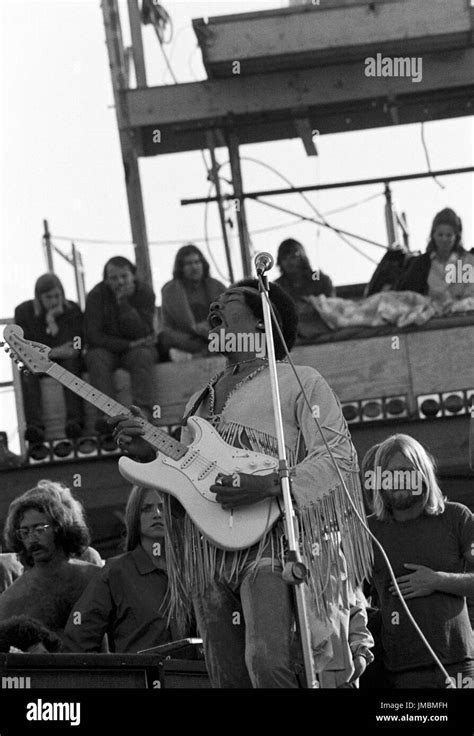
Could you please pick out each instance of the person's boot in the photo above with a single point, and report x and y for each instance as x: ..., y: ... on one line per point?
x: 34, y: 434
x: 102, y: 427
x: 73, y: 429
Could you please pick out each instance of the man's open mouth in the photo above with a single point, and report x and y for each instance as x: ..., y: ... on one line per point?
x: 215, y: 320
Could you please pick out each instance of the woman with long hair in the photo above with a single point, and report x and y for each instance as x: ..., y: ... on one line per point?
x: 445, y: 272
x: 127, y: 600
x: 300, y: 280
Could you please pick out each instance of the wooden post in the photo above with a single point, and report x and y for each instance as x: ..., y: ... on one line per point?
x: 233, y: 146
x: 215, y: 175
x: 78, y: 276
x: 113, y: 37
x: 137, y: 43
x: 48, y: 249
x: 389, y: 218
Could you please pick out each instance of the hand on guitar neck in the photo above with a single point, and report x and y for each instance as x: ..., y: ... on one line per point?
x: 128, y: 435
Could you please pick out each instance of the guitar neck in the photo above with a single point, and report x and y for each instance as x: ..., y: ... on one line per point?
x: 157, y: 438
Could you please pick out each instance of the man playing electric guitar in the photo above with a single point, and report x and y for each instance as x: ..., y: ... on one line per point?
x: 243, y: 607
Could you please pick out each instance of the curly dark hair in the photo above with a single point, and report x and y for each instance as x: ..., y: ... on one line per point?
x: 71, y: 532
x: 23, y: 632
x: 184, y: 252
x: 283, y: 305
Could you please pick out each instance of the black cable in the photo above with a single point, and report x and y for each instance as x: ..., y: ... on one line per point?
x: 308, y: 201
x: 354, y: 204
x: 259, y: 231
x: 422, y: 129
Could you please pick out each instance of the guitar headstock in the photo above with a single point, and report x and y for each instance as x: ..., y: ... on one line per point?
x: 33, y: 355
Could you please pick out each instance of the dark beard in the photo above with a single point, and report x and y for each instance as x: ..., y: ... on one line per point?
x: 401, y: 501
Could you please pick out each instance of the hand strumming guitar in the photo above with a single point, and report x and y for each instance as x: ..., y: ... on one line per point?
x: 243, y: 489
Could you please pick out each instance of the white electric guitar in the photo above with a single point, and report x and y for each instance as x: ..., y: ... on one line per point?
x: 183, y: 471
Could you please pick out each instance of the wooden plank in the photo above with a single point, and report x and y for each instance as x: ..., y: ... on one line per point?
x: 424, y: 362
x: 260, y: 41
x: 137, y: 42
x: 441, y: 360
x: 360, y: 369
x: 287, y: 94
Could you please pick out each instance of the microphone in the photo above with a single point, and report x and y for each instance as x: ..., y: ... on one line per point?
x: 263, y: 262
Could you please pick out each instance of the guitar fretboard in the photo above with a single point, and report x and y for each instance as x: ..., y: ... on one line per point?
x: 156, y: 437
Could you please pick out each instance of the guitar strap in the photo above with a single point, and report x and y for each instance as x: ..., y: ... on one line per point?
x: 202, y: 397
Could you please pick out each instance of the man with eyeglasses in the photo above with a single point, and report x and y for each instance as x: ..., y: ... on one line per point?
x: 46, y: 536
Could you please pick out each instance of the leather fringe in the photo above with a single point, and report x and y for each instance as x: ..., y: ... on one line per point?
x: 335, y: 546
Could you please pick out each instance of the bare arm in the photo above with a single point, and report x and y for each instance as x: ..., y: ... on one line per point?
x: 423, y: 581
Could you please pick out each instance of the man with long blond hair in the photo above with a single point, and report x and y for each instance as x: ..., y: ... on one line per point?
x: 429, y: 542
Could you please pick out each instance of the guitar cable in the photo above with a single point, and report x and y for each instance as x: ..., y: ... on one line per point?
x: 448, y: 679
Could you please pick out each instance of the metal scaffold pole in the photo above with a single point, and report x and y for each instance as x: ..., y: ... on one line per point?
x: 48, y: 248
x: 233, y: 145
x: 217, y: 184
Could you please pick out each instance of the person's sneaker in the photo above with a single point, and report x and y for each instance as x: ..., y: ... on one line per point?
x: 73, y: 429
x: 34, y: 434
x: 102, y: 427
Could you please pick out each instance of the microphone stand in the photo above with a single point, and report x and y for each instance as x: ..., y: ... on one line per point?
x: 295, y: 571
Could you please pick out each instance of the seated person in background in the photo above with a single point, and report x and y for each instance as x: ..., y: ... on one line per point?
x: 119, y: 331
x: 126, y: 600
x: 298, y: 279
x: 26, y: 634
x: 10, y: 569
x: 389, y: 271
x: 185, y: 303
x: 438, y: 273
x: 45, y: 534
x: 51, y: 319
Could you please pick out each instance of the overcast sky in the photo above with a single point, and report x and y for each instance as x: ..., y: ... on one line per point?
x: 61, y: 161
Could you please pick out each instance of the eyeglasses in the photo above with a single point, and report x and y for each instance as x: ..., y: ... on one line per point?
x: 39, y: 530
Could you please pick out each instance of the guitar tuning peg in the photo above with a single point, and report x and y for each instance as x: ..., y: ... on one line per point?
x: 1, y: 343
x: 26, y: 372
x: 6, y: 348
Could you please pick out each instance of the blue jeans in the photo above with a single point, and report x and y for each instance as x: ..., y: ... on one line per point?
x: 246, y: 629
x: 139, y: 362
